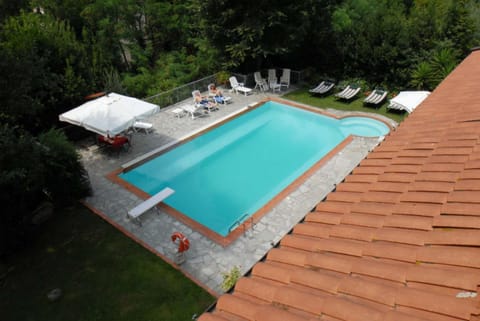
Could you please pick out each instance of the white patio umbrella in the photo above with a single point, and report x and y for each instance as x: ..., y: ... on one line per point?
x: 109, y: 115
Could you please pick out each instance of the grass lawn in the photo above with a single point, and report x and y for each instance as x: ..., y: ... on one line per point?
x: 104, y: 275
x: 303, y: 96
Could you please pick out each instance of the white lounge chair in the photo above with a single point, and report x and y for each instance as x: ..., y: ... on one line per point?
x: 285, y: 78
x: 199, y: 100
x: 260, y: 83
x: 193, y: 110
x: 376, y: 97
x: 408, y: 100
x: 141, y: 125
x: 239, y: 87
x: 322, y: 88
x: 143, y: 207
x: 349, y: 92
x: 213, y: 93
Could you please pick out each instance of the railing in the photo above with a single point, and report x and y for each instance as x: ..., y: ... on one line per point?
x: 237, y: 222
x: 175, y: 95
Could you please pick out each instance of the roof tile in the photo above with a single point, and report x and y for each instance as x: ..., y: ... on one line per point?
x: 464, y: 197
x: 233, y: 304
x: 413, y: 237
x: 348, y: 311
x: 330, y: 262
x: 270, y: 313
x: 388, y: 187
x: 371, y: 208
x: 368, y: 290
x: 424, y: 197
x: 360, y: 219
x: 423, y: 186
x: 449, y: 159
x: 352, y: 232
x: 457, y: 221
x: 409, y: 221
x: 313, y: 229
x: 324, y: 217
x: 380, y: 197
x: 211, y: 317
x: 398, y: 252
x: 317, y: 280
x: 398, y: 316
x: 397, y: 177
x: 432, y: 302
x: 300, y: 242
x: 409, y: 160
x: 460, y: 209
x: 352, y: 187
x: 257, y: 288
x: 470, y: 174
x: 334, y: 207
x: 418, y: 209
x: 453, y: 151
x: 409, y: 169
x: 443, y: 167
x: 437, y: 177
x: 299, y: 300
x: 272, y: 272
x: 425, y: 315
x: 383, y: 270
x: 287, y: 256
x: 468, y: 185
x: 344, y: 197
x: 468, y: 257
x: 463, y: 237
x: 437, y: 276
x: 364, y: 178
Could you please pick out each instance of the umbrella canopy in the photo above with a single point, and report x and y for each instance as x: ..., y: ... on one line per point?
x: 109, y: 115
x: 408, y: 100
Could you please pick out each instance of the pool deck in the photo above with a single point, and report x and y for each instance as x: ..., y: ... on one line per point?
x: 207, y: 261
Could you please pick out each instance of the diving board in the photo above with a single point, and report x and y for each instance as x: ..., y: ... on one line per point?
x: 143, y: 207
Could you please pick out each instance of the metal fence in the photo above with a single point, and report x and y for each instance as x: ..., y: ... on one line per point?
x: 175, y: 95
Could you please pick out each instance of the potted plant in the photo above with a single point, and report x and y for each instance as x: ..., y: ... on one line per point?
x: 221, y: 78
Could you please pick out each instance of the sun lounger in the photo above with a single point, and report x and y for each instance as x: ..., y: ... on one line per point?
x: 143, y: 207
x: 323, y: 88
x: 239, y: 87
x: 376, y: 97
x: 408, y: 100
x: 349, y: 92
x: 141, y: 125
x: 193, y: 110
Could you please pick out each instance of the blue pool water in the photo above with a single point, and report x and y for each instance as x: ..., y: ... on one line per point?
x: 235, y: 169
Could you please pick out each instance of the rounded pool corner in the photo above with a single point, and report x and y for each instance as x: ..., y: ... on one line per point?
x: 364, y: 126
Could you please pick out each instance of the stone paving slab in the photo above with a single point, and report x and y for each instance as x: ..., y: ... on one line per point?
x: 206, y: 261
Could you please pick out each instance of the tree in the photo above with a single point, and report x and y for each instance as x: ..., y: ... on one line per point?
x: 43, y: 71
x: 255, y: 31
x: 33, y: 171
x: 372, y: 40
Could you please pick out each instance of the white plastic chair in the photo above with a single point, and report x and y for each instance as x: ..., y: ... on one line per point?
x: 285, y: 78
x: 239, y: 87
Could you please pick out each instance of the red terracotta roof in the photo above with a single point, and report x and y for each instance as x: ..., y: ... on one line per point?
x: 399, y: 239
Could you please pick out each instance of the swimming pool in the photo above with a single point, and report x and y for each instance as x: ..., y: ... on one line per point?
x: 227, y: 174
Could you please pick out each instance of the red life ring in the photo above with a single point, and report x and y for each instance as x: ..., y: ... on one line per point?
x: 183, y: 242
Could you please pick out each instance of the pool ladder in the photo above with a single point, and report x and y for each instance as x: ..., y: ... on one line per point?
x: 239, y: 221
